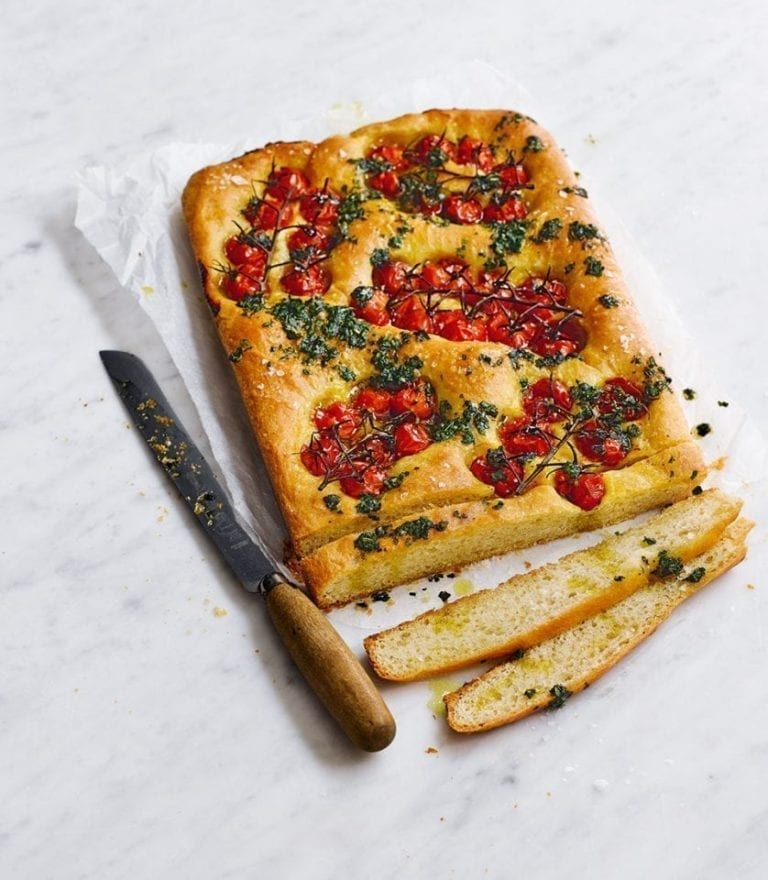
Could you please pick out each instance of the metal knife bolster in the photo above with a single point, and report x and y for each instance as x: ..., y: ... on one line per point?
x: 175, y: 450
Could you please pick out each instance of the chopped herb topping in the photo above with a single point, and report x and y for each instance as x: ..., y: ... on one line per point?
x: 529, y: 692
x: 411, y: 530
x: 368, y: 504
x: 533, y: 144
x: 696, y: 575
x: 560, y: 694
x: 444, y: 595
x: 608, y: 301
x: 582, y: 231
x: 331, y: 501
x: 667, y: 566
x: 550, y: 229
x: 593, y: 267
x: 689, y: 393
x: 703, y: 429
x: 243, y: 346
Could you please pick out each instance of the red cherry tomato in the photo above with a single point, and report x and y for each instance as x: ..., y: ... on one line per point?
x: 262, y: 214
x: 321, y: 455
x: 306, y: 280
x: 391, y: 276
x: 462, y: 209
x: 391, y: 154
x: 559, y: 338
x: 455, y: 325
x: 524, y: 440
x: 547, y: 400
x: 411, y: 314
x: 410, y: 438
x: 433, y: 150
x: 320, y: 207
x: 622, y: 396
x: 344, y: 418
x: 375, y: 449
x: 310, y: 238
x: 286, y: 183
x: 586, y: 490
x: 238, y: 251
x: 598, y: 443
x: 387, y: 183
x: 374, y: 310
x: 493, y: 468
x: 504, y: 209
x: 368, y: 481
x: 512, y: 176
x: 473, y: 151
x: 433, y: 276
x: 241, y: 284
x: 375, y: 401
x: 418, y: 399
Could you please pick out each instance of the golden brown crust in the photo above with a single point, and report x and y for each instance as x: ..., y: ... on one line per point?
x: 282, y: 387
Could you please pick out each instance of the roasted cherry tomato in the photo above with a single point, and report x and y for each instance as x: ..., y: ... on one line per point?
x: 621, y: 396
x: 245, y: 281
x: 455, y: 325
x: 344, y: 418
x: 368, y: 481
x: 321, y: 455
x: 391, y: 155
x: 376, y: 401
x: 504, y: 209
x: 320, y: 207
x: 462, y: 209
x: 512, y: 176
x: 239, y: 251
x: 524, y: 440
x: 433, y: 150
x: 387, y: 183
x: 411, y: 314
x: 374, y: 308
x: 262, y: 214
x: 410, y: 438
x: 417, y: 399
x: 585, y: 489
x: 286, y: 183
x: 312, y: 239
x: 547, y: 400
x: 598, y: 442
x: 473, y: 151
x: 392, y: 276
x: 495, y: 469
x: 306, y: 280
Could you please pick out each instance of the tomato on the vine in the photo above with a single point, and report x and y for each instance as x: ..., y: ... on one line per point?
x: 387, y: 183
x: 344, y: 418
x: 619, y: 395
x: 411, y: 438
x: 286, y: 183
x: 374, y: 400
x: 306, y: 280
x: 495, y: 469
x: 418, y: 399
x: 585, y: 489
x: 548, y: 400
x: 462, y: 209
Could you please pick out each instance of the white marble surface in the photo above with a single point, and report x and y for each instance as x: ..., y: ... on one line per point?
x: 142, y: 735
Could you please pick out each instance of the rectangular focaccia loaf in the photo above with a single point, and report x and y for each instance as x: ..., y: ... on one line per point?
x: 434, y: 345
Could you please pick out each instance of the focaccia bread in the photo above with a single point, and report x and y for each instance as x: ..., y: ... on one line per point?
x: 434, y: 345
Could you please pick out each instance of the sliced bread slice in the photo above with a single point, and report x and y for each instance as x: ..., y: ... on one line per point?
x: 547, y: 674
x: 537, y: 605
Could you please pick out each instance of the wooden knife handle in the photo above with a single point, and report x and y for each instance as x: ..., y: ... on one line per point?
x: 329, y: 666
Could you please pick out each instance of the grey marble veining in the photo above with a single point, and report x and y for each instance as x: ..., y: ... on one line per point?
x: 142, y: 734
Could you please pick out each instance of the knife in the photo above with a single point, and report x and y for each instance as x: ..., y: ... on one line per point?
x: 323, y: 657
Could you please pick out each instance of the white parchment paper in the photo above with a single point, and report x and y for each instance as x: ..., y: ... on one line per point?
x: 132, y: 217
